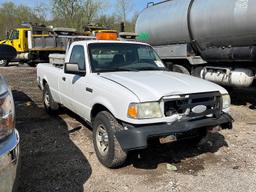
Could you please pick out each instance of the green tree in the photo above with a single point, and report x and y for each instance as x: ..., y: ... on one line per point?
x: 12, y: 16
x: 67, y: 11
x: 76, y: 13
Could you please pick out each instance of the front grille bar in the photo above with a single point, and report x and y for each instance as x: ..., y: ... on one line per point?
x: 211, y: 100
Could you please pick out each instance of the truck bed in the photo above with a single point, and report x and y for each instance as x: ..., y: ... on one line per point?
x: 48, y: 72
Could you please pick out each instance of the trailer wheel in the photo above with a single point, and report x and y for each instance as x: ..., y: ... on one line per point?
x: 180, y: 69
x: 4, y: 63
x: 107, y: 148
x: 196, y: 71
x: 50, y: 105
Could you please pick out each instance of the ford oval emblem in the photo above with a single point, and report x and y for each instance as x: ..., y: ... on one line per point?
x: 199, y: 109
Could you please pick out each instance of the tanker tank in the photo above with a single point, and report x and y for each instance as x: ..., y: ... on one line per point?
x: 208, y: 22
x: 205, y: 33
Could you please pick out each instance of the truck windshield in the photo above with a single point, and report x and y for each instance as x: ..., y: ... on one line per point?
x: 115, y: 57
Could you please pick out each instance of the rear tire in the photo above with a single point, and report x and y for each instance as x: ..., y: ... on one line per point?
x: 50, y: 105
x: 4, y: 63
x: 107, y: 148
x: 31, y: 64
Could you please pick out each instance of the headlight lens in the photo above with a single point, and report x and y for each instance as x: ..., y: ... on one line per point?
x: 226, y: 101
x: 148, y: 110
x: 6, y: 115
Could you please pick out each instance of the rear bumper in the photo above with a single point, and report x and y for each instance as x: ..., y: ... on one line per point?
x: 136, y: 137
x: 9, y: 155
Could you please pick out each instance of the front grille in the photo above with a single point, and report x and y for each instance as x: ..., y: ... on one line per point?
x: 190, y: 105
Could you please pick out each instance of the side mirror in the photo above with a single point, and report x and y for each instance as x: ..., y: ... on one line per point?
x: 73, y: 68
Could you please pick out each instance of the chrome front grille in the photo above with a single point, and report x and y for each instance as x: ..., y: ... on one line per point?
x: 194, y: 105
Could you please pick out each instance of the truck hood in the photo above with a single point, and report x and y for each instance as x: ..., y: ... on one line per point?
x: 153, y: 85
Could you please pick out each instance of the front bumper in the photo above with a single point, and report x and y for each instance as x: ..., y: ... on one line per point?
x: 136, y: 137
x: 9, y: 155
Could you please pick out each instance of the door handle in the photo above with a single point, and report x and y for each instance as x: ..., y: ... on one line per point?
x: 64, y: 78
x: 89, y: 89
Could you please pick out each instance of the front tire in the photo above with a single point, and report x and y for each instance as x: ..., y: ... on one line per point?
x: 4, y: 63
x: 50, y: 105
x: 107, y: 148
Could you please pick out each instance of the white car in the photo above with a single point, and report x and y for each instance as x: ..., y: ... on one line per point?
x: 124, y: 91
x: 9, y: 139
x: 9, y: 136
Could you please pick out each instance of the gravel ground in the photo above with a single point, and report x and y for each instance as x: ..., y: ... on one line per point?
x: 57, y: 153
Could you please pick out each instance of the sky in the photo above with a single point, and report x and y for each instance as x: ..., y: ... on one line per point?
x: 138, y: 5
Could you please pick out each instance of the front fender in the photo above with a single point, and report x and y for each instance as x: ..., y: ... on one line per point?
x: 104, y: 102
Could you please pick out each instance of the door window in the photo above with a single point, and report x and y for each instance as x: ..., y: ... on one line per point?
x: 14, y: 35
x: 78, y: 57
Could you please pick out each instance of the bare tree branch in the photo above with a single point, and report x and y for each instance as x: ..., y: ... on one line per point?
x: 123, y: 9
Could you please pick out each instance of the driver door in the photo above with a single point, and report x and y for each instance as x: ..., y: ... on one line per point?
x: 73, y: 85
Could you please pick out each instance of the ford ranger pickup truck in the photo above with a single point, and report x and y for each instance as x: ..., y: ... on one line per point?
x: 126, y: 94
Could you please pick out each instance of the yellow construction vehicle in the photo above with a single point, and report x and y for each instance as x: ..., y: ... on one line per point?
x: 18, y: 39
x: 34, y: 43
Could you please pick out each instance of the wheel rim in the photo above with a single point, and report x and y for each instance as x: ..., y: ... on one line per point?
x: 102, y: 140
x: 47, y: 99
x: 2, y: 62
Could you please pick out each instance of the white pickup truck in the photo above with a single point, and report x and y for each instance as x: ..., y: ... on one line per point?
x: 124, y: 91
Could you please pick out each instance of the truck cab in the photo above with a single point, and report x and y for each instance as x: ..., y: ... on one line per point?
x: 18, y: 39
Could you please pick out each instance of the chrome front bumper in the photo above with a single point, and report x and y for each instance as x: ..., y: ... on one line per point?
x: 9, y: 156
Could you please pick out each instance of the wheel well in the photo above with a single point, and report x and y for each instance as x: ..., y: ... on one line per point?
x: 183, y: 62
x: 44, y: 82
x: 96, y: 109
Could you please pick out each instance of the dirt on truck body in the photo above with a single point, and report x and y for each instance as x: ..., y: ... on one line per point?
x: 57, y: 152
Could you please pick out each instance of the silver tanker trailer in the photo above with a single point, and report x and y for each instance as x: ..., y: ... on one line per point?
x: 211, y: 39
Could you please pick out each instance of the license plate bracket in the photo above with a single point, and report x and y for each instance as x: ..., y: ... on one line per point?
x: 167, y: 139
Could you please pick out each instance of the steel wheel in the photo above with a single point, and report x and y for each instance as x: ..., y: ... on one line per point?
x: 49, y: 104
x: 102, y: 140
x: 107, y: 148
x: 47, y: 99
x: 3, y: 63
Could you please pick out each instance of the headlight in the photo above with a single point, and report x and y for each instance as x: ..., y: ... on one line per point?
x: 6, y: 115
x: 226, y: 101
x: 144, y: 110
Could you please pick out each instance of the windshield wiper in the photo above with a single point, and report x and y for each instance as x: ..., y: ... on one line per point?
x: 116, y: 70
x: 131, y: 69
x: 152, y: 69
x: 127, y: 69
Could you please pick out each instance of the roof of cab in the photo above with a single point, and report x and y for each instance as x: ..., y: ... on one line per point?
x: 87, y: 42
